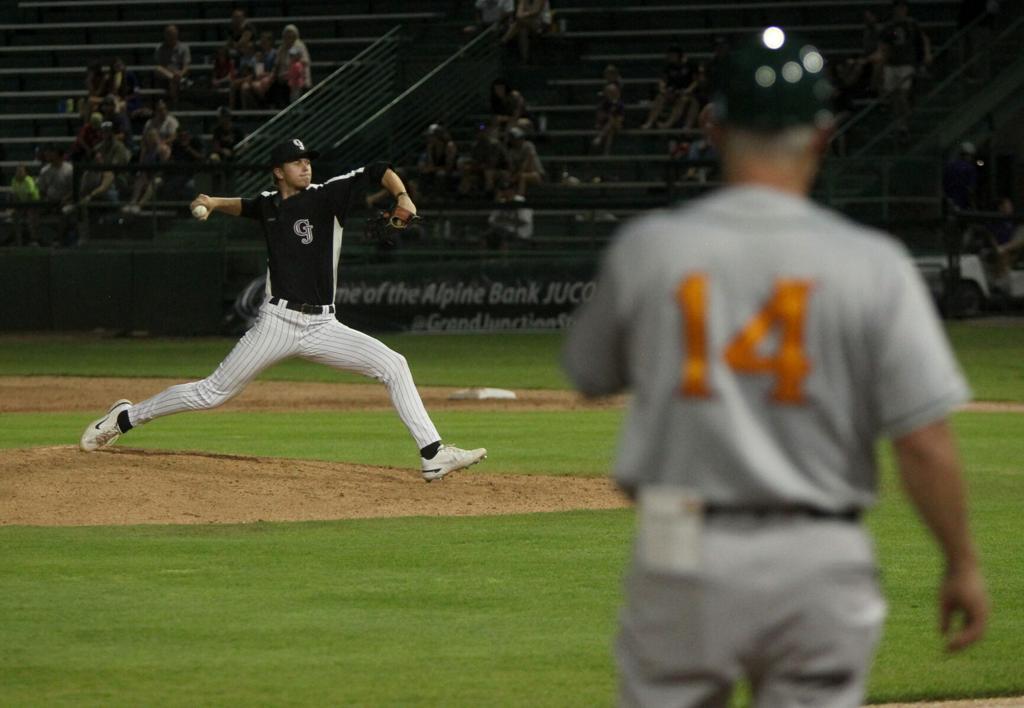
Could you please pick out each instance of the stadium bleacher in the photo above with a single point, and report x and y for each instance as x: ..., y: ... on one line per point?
x: 47, y: 45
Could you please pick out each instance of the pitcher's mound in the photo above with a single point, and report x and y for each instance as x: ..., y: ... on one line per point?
x: 61, y: 486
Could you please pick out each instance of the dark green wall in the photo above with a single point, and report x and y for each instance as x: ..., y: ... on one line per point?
x: 170, y: 292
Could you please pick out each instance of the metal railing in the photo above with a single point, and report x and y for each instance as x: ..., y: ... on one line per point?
x: 877, y: 188
x: 448, y: 93
x: 345, y: 99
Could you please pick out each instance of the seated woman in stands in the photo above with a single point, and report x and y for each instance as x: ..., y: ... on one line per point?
x: 125, y: 86
x: 223, y: 74
x: 97, y: 86
x: 525, y: 166
x: 280, y: 89
x: 508, y: 108
x: 611, y: 113
x: 153, y: 152
x: 532, y: 19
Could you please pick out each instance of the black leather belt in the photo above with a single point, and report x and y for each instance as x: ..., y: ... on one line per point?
x: 303, y: 307
x: 767, y: 512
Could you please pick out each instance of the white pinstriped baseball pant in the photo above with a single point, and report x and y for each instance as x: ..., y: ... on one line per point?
x: 280, y: 334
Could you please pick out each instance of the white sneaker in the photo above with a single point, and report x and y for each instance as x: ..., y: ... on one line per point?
x: 450, y: 458
x: 104, y: 431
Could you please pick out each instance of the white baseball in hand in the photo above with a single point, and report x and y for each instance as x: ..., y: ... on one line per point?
x: 200, y: 211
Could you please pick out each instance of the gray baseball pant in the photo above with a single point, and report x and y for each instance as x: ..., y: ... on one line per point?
x: 791, y: 604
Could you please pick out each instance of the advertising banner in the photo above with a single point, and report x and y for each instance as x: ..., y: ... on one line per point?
x: 459, y: 297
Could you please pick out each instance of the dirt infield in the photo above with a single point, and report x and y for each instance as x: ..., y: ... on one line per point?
x: 61, y: 486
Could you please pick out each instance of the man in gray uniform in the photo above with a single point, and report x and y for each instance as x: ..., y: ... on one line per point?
x: 768, y: 343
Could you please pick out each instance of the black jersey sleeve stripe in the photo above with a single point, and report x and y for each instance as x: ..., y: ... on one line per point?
x: 250, y: 209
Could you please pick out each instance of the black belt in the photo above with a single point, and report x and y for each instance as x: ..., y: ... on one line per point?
x: 303, y: 307
x: 766, y: 512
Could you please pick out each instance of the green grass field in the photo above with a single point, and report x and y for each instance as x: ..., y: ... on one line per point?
x: 516, y: 610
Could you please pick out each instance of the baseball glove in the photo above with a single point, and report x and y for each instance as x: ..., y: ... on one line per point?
x: 385, y: 226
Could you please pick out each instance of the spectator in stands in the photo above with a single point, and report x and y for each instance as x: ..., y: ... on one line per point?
x: 508, y: 107
x: 611, y: 113
x: 24, y: 192
x: 152, y: 152
x: 612, y: 75
x: 97, y: 186
x: 88, y: 137
x: 114, y: 152
x: 486, y: 160
x: 960, y: 178
x: 702, y: 148
x: 491, y: 12
x: 165, y: 124
x: 297, y: 75
x: 1007, y: 238
x: 525, y: 166
x: 532, y: 19
x: 691, y: 101
x: 108, y: 109
x: 438, y: 163
x: 187, y: 149
x: 125, y: 86
x: 676, y: 78
x: 55, y: 189
x: 253, y: 91
x: 719, y: 57
x: 980, y: 16
x: 224, y: 138
x: 847, y: 77
x: 280, y: 91
x: 253, y: 86
x: 904, y: 46
x: 870, y: 46
x: 97, y: 85
x: 508, y: 225
x: 239, y: 31
x: 222, y: 75
x: 245, y: 74
x: 172, y: 64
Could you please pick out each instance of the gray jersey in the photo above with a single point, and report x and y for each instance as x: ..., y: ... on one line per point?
x: 768, y: 343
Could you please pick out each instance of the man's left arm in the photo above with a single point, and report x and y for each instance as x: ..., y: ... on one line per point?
x: 396, y: 188
x: 594, y: 354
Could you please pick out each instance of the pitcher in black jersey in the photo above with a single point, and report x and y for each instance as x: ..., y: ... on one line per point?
x: 303, y: 224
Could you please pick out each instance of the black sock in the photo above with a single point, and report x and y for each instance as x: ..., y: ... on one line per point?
x: 123, y: 424
x: 430, y: 450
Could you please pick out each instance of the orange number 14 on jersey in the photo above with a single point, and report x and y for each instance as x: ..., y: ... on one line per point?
x: 785, y: 310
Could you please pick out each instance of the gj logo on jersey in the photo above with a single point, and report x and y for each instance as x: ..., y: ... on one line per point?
x: 304, y: 229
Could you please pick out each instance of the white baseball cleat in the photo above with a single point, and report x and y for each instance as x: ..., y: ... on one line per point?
x: 104, y: 431
x: 448, y: 459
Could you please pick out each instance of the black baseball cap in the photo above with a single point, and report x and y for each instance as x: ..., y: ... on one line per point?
x: 289, y: 150
x: 772, y: 83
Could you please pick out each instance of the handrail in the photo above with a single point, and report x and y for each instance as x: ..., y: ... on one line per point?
x: 349, y: 93
x: 321, y: 87
x: 880, y: 99
x: 447, y: 97
x: 945, y: 83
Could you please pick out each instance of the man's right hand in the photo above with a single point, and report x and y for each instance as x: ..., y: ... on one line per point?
x: 203, y: 200
x: 963, y: 594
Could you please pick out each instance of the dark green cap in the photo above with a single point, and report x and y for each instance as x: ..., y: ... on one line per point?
x: 772, y: 83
